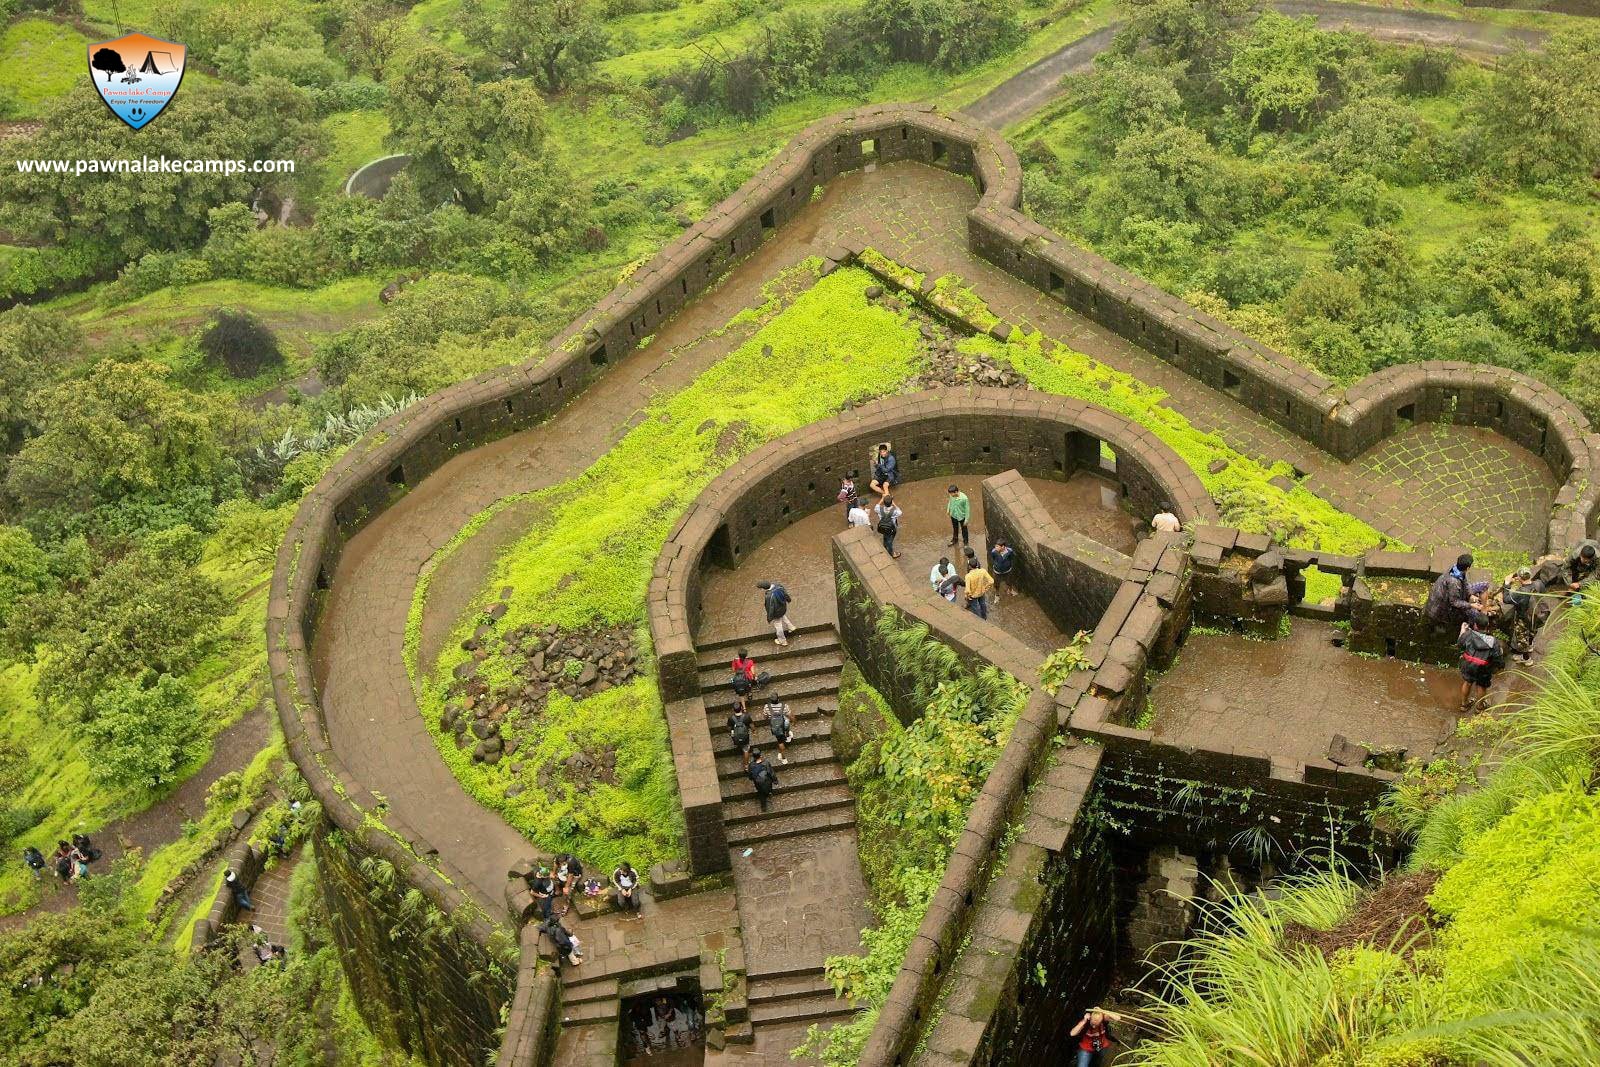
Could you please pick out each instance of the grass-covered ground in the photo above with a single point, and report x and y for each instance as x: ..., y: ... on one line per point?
x: 42, y: 60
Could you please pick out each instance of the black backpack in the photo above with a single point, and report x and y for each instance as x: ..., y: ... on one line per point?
x: 742, y: 684
x: 739, y: 729
x: 779, y: 721
x: 887, y: 524
x: 761, y: 774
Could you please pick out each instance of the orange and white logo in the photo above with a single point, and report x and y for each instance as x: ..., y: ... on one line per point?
x: 137, y: 75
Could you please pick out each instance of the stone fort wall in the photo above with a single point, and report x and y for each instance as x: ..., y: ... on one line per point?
x: 406, y: 448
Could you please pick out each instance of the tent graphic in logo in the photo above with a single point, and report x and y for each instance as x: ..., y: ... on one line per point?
x: 137, y: 75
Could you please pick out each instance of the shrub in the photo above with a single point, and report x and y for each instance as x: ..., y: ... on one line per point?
x: 241, y: 343
x: 946, y: 33
x: 141, y: 732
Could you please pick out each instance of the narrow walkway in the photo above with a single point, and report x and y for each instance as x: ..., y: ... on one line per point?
x: 271, y: 898
x: 1028, y: 91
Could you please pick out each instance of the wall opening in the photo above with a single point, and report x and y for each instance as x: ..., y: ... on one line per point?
x: 939, y: 151
x: 869, y: 148
x: 1230, y: 382
x: 719, y: 549
x: 1058, y: 287
x: 458, y: 423
x: 396, y: 475
x: 667, y: 1025
x: 598, y: 356
x: 1108, y: 458
x: 769, y: 219
x: 1408, y: 412
x: 511, y: 409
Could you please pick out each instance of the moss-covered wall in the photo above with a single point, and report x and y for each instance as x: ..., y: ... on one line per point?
x: 422, y: 986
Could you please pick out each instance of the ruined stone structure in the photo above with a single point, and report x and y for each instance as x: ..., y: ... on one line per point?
x: 1018, y: 910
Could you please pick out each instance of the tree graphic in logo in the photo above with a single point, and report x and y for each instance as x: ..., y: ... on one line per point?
x: 109, y: 61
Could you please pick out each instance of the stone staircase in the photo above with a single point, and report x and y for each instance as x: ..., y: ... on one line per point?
x: 801, y: 995
x: 813, y: 795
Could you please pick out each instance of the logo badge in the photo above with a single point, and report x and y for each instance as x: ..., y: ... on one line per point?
x: 137, y: 75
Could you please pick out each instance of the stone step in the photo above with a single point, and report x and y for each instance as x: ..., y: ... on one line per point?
x: 608, y: 989
x: 818, y: 708
x: 741, y: 1034
x: 788, y: 799
x: 807, y: 982
x: 806, y: 749
x: 589, y: 1012
x: 819, y: 684
x: 719, y: 678
x: 800, y: 1009
x: 795, y: 777
x: 771, y: 657
x: 814, y: 633
x: 777, y: 825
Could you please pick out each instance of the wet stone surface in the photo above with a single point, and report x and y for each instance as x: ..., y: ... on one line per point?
x: 801, y: 556
x: 1288, y: 698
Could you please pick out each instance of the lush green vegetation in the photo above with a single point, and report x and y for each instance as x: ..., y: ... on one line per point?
x: 1356, y: 205
x: 1495, y: 962
x: 914, y: 787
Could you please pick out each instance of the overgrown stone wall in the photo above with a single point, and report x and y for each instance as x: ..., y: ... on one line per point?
x: 949, y: 432
x: 427, y: 985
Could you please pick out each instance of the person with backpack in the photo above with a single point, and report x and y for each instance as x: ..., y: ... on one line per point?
x: 885, y: 472
x: 567, y: 947
x: 1002, y: 561
x: 888, y: 515
x: 857, y: 515
x: 776, y: 601
x: 1583, y: 565
x: 960, y: 510
x: 847, y: 494
x: 762, y: 776
x: 62, y: 862
x: 782, y: 729
x: 745, y: 676
x: 85, y: 847
x: 944, y: 579
x: 35, y: 861
x: 739, y: 731
x: 1482, y: 653
x: 625, y: 880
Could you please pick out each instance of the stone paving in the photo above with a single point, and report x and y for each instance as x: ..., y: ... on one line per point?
x: 913, y: 214
x: 1287, y: 698
x: 270, y: 895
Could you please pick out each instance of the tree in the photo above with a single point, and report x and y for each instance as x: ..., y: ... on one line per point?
x: 473, y: 143
x: 141, y: 732
x: 241, y: 343
x: 551, y: 40
x: 34, y: 345
x: 108, y: 60
x: 149, y: 611
x: 946, y: 33
x: 1540, y: 114
x: 124, y: 427
x: 151, y: 211
x: 24, y: 568
x: 370, y: 32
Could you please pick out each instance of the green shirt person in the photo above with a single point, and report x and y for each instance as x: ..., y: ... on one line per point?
x: 960, y: 509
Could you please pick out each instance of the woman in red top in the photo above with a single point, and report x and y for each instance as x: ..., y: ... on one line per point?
x: 1094, y: 1037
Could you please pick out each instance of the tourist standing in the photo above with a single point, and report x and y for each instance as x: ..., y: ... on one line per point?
x: 1482, y: 653
x: 888, y: 514
x: 848, y: 494
x: 1002, y: 561
x: 944, y: 579
x: 568, y: 871
x: 978, y: 584
x: 1450, y: 600
x: 776, y: 602
x: 241, y: 895
x: 543, y: 888
x: 35, y: 861
x: 960, y: 510
x: 1094, y: 1037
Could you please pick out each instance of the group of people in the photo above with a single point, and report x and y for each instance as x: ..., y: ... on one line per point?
x: 747, y: 678
x: 977, y: 579
x: 558, y: 887
x: 671, y: 1021
x: 70, y: 861
x: 1479, y: 613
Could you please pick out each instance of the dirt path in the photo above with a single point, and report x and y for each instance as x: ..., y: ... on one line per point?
x: 1025, y: 93
x: 162, y: 822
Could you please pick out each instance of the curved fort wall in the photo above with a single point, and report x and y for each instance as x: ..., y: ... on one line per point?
x: 409, y: 446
